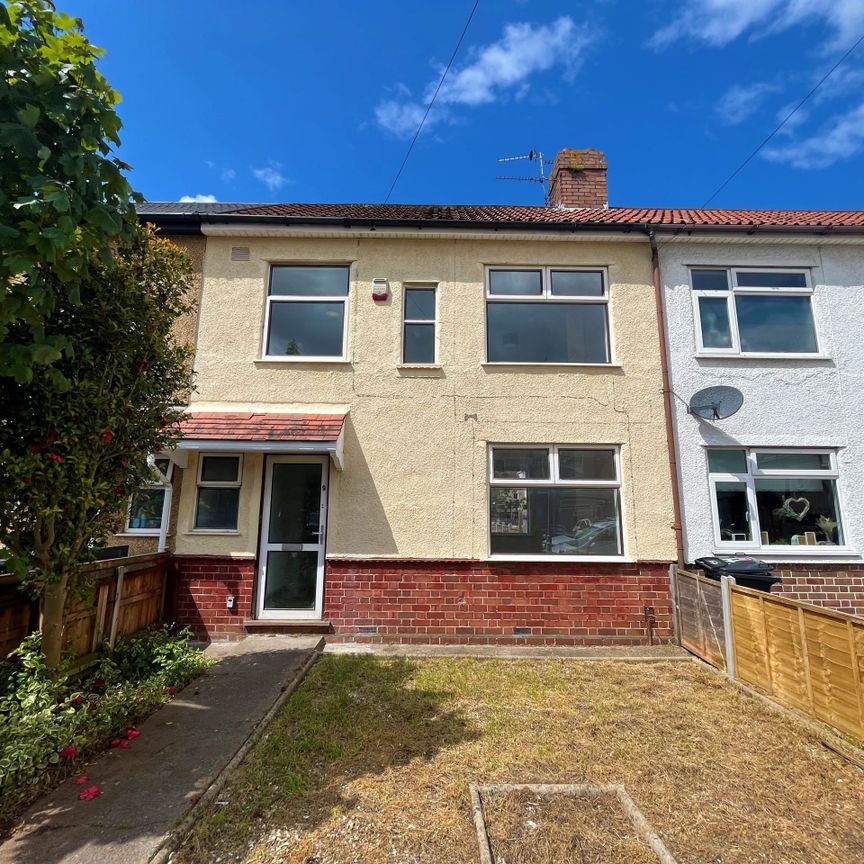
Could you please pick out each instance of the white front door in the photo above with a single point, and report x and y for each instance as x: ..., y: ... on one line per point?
x: 293, y: 523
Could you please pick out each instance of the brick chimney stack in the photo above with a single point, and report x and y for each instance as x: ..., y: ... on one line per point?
x: 578, y: 179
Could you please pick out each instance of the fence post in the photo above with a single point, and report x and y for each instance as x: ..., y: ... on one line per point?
x: 673, y: 588
x: 118, y: 596
x: 726, y: 583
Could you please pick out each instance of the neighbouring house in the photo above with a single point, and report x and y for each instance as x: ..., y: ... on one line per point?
x: 773, y: 304
x: 426, y: 423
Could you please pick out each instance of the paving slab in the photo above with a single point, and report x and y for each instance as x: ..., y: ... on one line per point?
x: 182, y: 748
x: 631, y: 653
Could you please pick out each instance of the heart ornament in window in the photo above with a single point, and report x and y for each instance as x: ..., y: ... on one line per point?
x: 796, y: 508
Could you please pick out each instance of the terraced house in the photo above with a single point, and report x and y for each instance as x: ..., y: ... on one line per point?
x: 468, y: 423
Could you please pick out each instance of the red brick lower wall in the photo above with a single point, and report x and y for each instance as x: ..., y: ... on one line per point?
x: 835, y: 586
x: 485, y: 602
x: 200, y: 587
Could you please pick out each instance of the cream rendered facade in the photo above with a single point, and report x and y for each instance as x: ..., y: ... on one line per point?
x: 415, y: 478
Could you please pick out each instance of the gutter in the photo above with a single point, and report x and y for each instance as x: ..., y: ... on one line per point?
x: 667, y: 398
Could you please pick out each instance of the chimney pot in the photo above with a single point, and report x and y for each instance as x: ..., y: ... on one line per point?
x: 578, y: 179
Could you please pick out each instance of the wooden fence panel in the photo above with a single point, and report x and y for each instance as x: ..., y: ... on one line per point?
x: 140, y: 599
x: 700, y: 616
x: 16, y: 614
x: 806, y: 657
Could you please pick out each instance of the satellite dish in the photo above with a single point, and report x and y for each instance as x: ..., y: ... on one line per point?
x: 716, y: 403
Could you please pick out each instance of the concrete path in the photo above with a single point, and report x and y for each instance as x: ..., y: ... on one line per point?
x: 183, y: 747
x: 632, y: 653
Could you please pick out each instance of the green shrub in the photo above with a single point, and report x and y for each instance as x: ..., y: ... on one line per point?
x: 44, y: 714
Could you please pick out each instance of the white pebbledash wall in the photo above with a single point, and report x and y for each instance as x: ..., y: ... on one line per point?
x: 787, y: 402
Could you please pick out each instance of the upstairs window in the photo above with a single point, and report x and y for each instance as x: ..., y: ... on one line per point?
x: 147, y: 504
x: 554, y: 501
x: 418, y: 329
x: 218, y: 495
x: 741, y: 311
x: 546, y: 315
x: 306, y: 313
x: 771, y: 499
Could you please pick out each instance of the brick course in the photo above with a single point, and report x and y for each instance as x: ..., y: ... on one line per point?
x: 200, y: 585
x: 834, y: 586
x: 482, y: 602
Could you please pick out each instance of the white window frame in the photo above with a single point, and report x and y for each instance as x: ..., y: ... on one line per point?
x: 749, y: 479
x: 554, y: 480
x: 222, y: 484
x: 546, y: 296
x: 427, y: 286
x: 162, y: 480
x: 270, y: 299
x: 729, y: 295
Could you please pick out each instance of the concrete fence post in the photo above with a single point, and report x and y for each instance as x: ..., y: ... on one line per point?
x: 726, y: 583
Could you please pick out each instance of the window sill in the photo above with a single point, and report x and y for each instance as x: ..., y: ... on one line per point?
x: 705, y: 355
x: 317, y: 361
x: 587, y: 559
x: 790, y: 551
x: 419, y: 366
x: 154, y: 533
x: 542, y: 365
x: 210, y: 531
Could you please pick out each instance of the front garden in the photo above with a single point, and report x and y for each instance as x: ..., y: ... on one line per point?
x: 51, y: 721
x: 371, y: 760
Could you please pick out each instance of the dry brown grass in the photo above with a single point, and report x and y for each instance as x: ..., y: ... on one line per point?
x: 370, y: 761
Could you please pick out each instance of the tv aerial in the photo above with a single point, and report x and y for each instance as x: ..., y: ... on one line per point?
x: 530, y: 156
x: 715, y: 403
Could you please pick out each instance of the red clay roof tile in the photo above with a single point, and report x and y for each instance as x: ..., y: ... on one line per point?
x: 242, y: 426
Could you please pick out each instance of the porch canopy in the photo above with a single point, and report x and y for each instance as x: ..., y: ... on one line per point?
x: 267, y: 433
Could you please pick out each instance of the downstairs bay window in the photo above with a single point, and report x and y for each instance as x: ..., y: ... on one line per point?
x: 770, y: 499
x: 554, y: 500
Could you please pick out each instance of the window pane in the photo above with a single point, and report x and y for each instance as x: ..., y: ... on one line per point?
x: 309, y: 281
x: 709, y: 280
x: 515, y: 282
x: 513, y: 464
x: 733, y: 512
x: 727, y: 461
x: 714, y: 321
x: 291, y: 580
x: 798, y: 512
x: 586, y: 464
x: 774, y: 279
x: 220, y: 469
x: 146, y: 509
x: 163, y: 464
x: 554, y: 521
x: 794, y: 461
x: 547, y: 333
x: 295, y: 503
x: 419, y: 304
x: 306, y: 329
x: 217, y: 507
x: 577, y: 283
x: 781, y: 324
x: 419, y: 343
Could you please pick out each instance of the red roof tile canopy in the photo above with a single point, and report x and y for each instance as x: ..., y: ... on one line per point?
x: 213, y: 426
x: 610, y: 216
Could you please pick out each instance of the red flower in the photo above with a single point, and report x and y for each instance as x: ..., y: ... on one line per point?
x: 89, y: 794
x: 56, y: 457
x: 131, y: 734
x: 171, y: 690
x: 52, y: 435
x: 108, y: 437
x: 69, y: 752
x: 79, y: 779
x: 120, y: 744
x: 34, y: 448
x: 77, y: 700
x: 98, y: 682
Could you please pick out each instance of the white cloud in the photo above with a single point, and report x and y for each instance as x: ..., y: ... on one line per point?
x: 844, y: 137
x: 491, y: 72
x: 719, y: 22
x: 271, y: 176
x: 743, y: 100
x: 198, y: 199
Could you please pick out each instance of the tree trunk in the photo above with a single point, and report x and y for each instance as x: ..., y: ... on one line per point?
x: 53, y: 609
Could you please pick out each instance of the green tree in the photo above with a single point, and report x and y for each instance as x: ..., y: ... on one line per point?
x: 63, y: 196
x: 69, y: 460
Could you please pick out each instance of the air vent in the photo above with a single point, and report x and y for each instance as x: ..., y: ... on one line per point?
x: 239, y: 253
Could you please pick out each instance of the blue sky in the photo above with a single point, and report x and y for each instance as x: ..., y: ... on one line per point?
x: 283, y: 101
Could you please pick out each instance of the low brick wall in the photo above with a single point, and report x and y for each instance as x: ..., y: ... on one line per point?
x: 507, y: 603
x: 834, y: 586
x: 201, y: 585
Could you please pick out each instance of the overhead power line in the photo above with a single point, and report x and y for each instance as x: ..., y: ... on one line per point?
x: 431, y: 103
